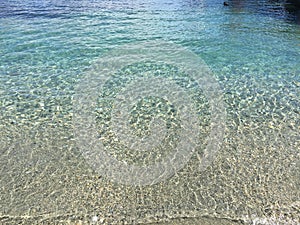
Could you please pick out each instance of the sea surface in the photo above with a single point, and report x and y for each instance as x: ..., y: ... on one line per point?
x: 63, y: 65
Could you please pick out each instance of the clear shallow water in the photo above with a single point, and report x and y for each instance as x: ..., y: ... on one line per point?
x: 48, y: 47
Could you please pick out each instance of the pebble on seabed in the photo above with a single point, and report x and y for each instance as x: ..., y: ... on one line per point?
x: 95, y: 218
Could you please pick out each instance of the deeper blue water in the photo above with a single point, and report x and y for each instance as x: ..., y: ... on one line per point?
x: 48, y: 47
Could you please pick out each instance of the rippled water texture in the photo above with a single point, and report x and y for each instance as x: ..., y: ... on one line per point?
x: 251, y: 47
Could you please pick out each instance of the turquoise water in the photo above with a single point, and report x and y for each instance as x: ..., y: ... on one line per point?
x: 48, y: 47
